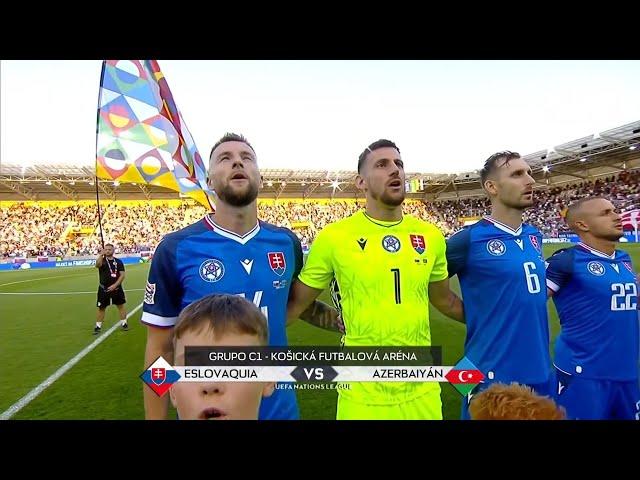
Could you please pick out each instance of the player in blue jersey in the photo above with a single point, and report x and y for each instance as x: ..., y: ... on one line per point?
x: 595, y: 292
x: 499, y: 264
x: 231, y: 252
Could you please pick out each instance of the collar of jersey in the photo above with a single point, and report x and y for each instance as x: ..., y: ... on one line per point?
x: 242, y: 239
x: 503, y: 227
x: 382, y: 223
x: 597, y: 252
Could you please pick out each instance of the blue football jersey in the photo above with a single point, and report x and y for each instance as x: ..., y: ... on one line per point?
x: 502, y: 279
x: 596, y: 296
x: 204, y: 258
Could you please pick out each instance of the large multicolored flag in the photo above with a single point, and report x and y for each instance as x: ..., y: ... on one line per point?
x: 141, y: 135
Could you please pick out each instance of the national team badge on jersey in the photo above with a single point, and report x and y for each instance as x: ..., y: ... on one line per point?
x: 534, y: 242
x: 595, y: 268
x: 628, y: 266
x: 391, y: 243
x: 277, y: 262
x: 417, y: 242
x: 211, y: 270
x: 496, y: 247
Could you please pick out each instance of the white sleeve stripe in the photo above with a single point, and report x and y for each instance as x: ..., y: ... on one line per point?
x: 553, y: 286
x: 157, y: 320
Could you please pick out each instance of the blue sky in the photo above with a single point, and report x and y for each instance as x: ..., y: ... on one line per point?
x: 445, y: 116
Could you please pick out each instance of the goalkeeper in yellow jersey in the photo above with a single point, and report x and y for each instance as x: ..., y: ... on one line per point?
x: 387, y: 268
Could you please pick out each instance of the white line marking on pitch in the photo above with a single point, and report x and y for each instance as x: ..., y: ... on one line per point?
x: 62, y: 293
x: 46, y: 278
x: 24, y: 401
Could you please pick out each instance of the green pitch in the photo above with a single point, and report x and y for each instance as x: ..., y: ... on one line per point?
x: 41, y: 333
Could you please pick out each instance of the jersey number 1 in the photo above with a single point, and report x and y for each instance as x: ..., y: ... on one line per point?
x: 396, y: 283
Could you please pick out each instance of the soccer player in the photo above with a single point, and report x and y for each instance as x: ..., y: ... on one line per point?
x: 229, y: 251
x: 499, y: 264
x: 387, y: 267
x: 219, y: 321
x: 595, y: 292
x: 111, y: 272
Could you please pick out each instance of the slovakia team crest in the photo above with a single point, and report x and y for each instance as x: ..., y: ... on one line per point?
x: 277, y: 262
x: 160, y: 376
x: 534, y: 241
x: 418, y: 244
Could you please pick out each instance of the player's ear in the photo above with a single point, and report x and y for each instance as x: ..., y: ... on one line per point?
x: 580, y: 225
x: 490, y: 187
x: 268, y: 389
x: 360, y: 184
x: 261, y: 181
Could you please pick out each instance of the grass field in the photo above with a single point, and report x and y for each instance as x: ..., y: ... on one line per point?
x: 47, y: 317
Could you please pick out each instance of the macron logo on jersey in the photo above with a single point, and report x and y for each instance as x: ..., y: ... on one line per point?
x: 247, y: 264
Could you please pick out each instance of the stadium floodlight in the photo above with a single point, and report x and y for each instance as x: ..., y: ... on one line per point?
x: 633, y: 147
x: 134, y: 183
x: 303, y: 184
x: 335, y: 184
x: 269, y: 183
x: 48, y: 182
x: 284, y: 184
x: 583, y: 159
x: 90, y: 182
x: 545, y: 169
x: 72, y: 182
x: 116, y: 183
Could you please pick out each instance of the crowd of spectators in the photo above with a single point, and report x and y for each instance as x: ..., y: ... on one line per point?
x: 65, y: 231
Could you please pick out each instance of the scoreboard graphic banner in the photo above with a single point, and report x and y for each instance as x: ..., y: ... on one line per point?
x: 312, y: 365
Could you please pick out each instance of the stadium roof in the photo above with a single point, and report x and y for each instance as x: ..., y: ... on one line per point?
x: 586, y: 158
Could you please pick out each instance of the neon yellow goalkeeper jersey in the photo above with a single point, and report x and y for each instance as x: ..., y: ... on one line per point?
x: 382, y: 273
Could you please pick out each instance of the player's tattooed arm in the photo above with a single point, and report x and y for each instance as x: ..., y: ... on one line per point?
x: 447, y: 302
x: 321, y: 315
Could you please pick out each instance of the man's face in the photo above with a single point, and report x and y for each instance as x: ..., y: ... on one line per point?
x: 512, y: 184
x: 217, y: 400
x: 234, y: 174
x: 108, y: 250
x: 382, y: 176
x: 602, y: 220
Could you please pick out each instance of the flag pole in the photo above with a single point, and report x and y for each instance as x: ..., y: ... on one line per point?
x: 96, y: 169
